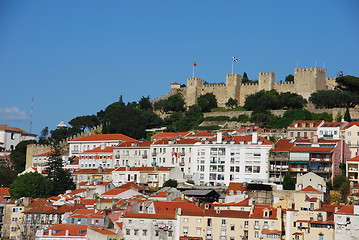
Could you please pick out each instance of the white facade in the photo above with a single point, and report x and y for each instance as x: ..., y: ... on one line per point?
x: 330, y: 130
x: 10, y: 137
x: 95, y: 158
x: 239, y: 159
x: 347, y: 223
x: 132, y: 154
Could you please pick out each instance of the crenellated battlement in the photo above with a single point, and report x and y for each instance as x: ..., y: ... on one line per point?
x: 265, y: 73
x: 331, y: 78
x: 214, y: 85
x: 284, y: 83
x: 249, y: 84
x: 310, y: 69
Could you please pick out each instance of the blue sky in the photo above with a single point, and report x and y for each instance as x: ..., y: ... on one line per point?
x: 77, y: 57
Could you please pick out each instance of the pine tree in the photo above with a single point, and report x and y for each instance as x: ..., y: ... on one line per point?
x: 347, y: 116
x: 59, y: 177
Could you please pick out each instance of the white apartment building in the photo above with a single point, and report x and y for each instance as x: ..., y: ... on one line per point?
x: 82, y: 144
x: 134, y: 154
x: 347, y: 222
x: 220, y: 160
x: 330, y: 130
x: 97, y: 157
x: 174, y: 153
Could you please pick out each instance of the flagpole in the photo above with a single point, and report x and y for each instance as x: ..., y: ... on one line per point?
x: 232, y: 66
x: 192, y: 70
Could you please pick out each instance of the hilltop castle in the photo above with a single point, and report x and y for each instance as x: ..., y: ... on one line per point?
x: 306, y: 81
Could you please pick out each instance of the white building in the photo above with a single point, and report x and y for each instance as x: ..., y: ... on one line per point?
x: 97, y: 157
x: 221, y: 160
x: 134, y: 153
x: 330, y: 130
x: 82, y: 144
x: 11, y: 136
x: 347, y: 222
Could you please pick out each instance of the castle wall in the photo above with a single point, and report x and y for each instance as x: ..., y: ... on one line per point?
x: 330, y: 82
x: 309, y: 80
x: 247, y: 89
x: 35, y: 149
x: 285, y: 87
x: 219, y: 90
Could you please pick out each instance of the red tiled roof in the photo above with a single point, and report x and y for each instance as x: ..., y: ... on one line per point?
x: 4, y: 191
x: 104, y: 231
x: 216, y: 213
x: 311, y: 149
x: 76, y: 191
x: 46, y: 154
x: 258, y: 211
x: 201, y: 134
x: 283, y: 145
x: 332, y: 124
x: 169, y: 207
x: 244, y: 202
x: 309, y: 189
x: 5, y: 127
x: 346, y: 209
x: 135, y: 144
x: 171, y: 135
x: 73, y: 230
x: 314, y: 199
x: 149, y: 215
x: 104, y: 137
x: 350, y: 124
x: 131, y: 185
x: 354, y: 159
x: 323, y: 222
x: 300, y: 122
x: 100, y: 150
x: 235, y: 186
x: 114, y: 192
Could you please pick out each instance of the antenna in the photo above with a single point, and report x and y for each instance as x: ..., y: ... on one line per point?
x: 32, y: 108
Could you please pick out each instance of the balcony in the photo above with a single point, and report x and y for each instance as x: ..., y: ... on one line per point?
x: 183, y: 153
x: 299, y: 169
x: 352, y: 169
x: 117, y: 156
x: 144, y: 156
x: 181, y: 163
x: 256, y: 227
x: 320, y: 159
x: 154, y: 154
x: 321, y: 169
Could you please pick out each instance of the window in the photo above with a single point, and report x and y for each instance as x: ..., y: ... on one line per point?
x: 170, y: 233
x: 198, y: 231
x: 232, y: 227
x: 185, y: 219
x: 265, y: 224
x: 135, y: 232
x: 209, y: 222
x: 209, y: 233
x: 256, y: 234
x: 223, y: 233
x: 157, y: 233
x: 128, y: 231
x: 144, y: 232
x: 199, y: 220
x: 245, y: 224
x: 223, y: 222
x: 185, y: 230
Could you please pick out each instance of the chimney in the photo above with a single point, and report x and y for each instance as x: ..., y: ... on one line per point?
x: 219, y: 137
x: 315, y: 139
x: 255, y: 137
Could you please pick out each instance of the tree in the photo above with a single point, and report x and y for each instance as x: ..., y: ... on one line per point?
x: 161, y: 105
x: 231, y: 103
x: 347, y: 116
x: 60, y: 134
x: 342, y: 184
x: 44, y: 135
x: 289, y: 182
x: 245, y: 78
x: 129, y: 120
x: 289, y: 78
x: 18, y: 155
x: 170, y: 183
x: 32, y: 185
x: 266, y: 99
x: 348, y: 84
x: 243, y: 118
x: 291, y: 100
x: 59, y: 177
x: 83, y: 122
x: 145, y: 103
x: 175, y: 103
x: 206, y: 102
x: 7, y: 176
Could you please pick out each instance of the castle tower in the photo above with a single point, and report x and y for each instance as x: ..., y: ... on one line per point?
x: 193, y: 90
x: 266, y: 80
x: 233, y: 83
x: 309, y: 80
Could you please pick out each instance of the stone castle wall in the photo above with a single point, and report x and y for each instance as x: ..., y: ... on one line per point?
x: 306, y: 81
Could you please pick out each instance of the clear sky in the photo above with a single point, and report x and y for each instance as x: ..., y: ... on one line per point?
x: 75, y: 57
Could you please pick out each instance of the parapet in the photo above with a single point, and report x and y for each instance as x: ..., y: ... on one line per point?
x: 310, y: 69
x: 265, y: 73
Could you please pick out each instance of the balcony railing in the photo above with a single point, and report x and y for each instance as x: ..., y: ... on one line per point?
x: 154, y: 154
x: 321, y: 159
x: 144, y: 156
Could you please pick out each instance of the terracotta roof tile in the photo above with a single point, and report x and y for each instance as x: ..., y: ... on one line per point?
x: 4, y: 191
x: 346, y: 209
x: 104, y: 137
x: 309, y: 189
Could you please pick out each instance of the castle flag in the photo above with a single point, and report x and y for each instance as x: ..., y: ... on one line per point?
x: 194, y: 64
x: 234, y: 59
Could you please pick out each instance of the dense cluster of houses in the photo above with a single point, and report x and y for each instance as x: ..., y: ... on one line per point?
x: 119, y: 180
